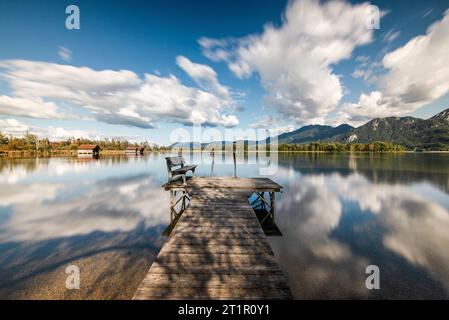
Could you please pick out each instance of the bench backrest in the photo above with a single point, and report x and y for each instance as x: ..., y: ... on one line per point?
x: 174, y: 162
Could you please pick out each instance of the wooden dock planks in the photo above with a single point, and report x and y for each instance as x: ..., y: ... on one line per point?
x: 217, y: 250
x: 261, y: 184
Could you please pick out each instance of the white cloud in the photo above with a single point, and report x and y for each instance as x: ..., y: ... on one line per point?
x: 17, y: 128
x: 59, y: 133
x: 271, y: 124
x: 294, y: 61
x: 416, y: 74
x: 48, y: 90
x: 369, y: 106
x: 36, y: 108
x: 204, y: 76
x: 65, y: 54
x: 13, y: 127
x: 367, y: 69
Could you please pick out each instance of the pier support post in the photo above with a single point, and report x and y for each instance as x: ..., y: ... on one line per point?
x: 261, y: 203
x: 272, y: 202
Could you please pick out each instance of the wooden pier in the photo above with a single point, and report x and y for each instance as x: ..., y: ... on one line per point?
x: 217, y: 249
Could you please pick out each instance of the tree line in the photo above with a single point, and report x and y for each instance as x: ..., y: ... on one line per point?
x: 377, y: 146
x: 32, y: 143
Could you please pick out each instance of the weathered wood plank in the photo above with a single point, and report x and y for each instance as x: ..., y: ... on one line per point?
x: 204, y: 280
x: 250, y: 250
x: 201, y: 258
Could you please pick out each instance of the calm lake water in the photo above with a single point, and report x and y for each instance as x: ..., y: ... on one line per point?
x: 338, y: 214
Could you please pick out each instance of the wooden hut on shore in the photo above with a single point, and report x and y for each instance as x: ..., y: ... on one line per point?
x: 89, y: 150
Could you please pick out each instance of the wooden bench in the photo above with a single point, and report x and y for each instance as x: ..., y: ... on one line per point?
x: 176, y: 168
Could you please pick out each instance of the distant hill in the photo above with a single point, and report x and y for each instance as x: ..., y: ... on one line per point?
x: 314, y: 133
x: 411, y: 132
x: 430, y: 134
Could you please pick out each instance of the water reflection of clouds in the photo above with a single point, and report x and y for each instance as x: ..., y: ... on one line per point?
x: 415, y: 226
x: 54, y: 170
x: 117, y: 204
x: 321, y: 264
x: 317, y: 265
x: 17, y: 170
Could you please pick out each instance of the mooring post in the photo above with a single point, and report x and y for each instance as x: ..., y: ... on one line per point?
x: 235, y: 165
x: 212, y: 154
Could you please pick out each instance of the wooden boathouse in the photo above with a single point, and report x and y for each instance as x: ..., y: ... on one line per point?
x: 89, y: 150
x: 217, y: 248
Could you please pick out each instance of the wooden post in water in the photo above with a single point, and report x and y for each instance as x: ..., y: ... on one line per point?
x: 212, y: 154
x: 235, y: 164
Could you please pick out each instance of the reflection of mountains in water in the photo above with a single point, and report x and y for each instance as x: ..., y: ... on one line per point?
x: 388, y: 168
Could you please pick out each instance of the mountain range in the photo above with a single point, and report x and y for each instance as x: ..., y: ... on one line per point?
x: 432, y: 133
x: 410, y: 132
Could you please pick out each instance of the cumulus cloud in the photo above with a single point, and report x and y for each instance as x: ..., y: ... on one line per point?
x: 294, y: 61
x: 18, y: 129
x: 204, y: 76
x: 49, y: 90
x: 35, y: 108
x: 271, y: 124
x: 59, y: 133
x: 416, y: 74
x: 13, y: 127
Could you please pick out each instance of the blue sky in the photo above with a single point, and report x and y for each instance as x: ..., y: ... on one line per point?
x: 282, y: 76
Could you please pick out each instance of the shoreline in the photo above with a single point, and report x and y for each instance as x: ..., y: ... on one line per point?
x: 27, y: 154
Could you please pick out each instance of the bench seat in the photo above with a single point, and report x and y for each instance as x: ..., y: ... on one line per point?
x: 184, y: 169
x: 176, y: 168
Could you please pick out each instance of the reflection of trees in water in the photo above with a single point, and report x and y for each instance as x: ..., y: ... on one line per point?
x: 28, y: 165
x: 404, y: 168
x: 32, y: 164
